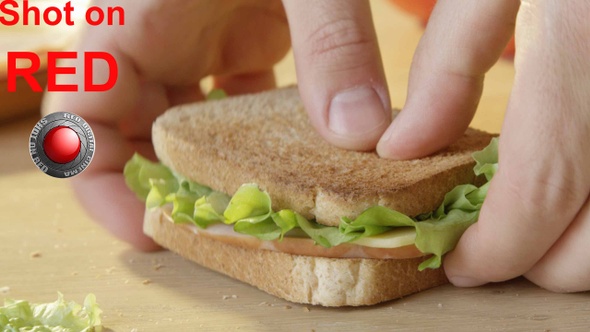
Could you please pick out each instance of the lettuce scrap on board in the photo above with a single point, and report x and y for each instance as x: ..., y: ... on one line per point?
x: 250, y: 209
x: 58, y: 316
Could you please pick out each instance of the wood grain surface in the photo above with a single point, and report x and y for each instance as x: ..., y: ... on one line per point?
x: 49, y: 244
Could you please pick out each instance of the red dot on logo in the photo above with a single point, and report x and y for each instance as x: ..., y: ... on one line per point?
x: 61, y: 144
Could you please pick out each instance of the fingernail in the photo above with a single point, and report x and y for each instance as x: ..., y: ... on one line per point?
x: 465, y: 281
x: 356, y: 112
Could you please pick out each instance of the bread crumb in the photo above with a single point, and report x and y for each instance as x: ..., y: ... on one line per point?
x: 306, y: 309
x: 75, y: 273
x: 120, y: 314
x: 110, y: 269
x: 134, y: 329
x: 146, y: 282
x: 440, y: 305
x: 158, y: 267
x: 288, y: 307
x: 234, y: 296
x: 264, y: 303
x: 35, y: 254
x: 4, y: 290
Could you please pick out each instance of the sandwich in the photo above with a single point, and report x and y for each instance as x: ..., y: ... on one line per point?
x: 246, y: 187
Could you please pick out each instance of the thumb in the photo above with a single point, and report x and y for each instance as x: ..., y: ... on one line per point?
x: 339, y: 70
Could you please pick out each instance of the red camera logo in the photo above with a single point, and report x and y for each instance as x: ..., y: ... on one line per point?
x: 62, y: 145
x: 15, y: 59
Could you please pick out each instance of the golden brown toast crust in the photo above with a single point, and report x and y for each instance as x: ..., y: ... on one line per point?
x: 267, y: 139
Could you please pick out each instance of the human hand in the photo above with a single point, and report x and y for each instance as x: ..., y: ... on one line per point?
x: 167, y: 47
x: 163, y: 51
x: 536, y: 218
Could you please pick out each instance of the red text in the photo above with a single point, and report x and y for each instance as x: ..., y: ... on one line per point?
x: 32, y: 15
x: 16, y: 69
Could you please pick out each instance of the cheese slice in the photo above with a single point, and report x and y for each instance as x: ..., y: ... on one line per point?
x: 396, y: 238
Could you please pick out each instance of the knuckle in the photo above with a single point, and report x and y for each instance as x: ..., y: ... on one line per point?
x: 339, y: 38
x: 543, y: 191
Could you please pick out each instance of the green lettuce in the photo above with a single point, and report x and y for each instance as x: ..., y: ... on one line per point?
x: 216, y: 94
x: 250, y: 209
x: 58, y: 316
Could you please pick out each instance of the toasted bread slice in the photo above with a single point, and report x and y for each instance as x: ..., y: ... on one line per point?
x: 303, y: 279
x: 267, y: 139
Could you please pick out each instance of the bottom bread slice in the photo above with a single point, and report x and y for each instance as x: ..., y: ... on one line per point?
x: 303, y: 279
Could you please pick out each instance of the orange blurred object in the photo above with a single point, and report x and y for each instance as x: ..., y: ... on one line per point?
x: 422, y: 9
x: 419, y: 8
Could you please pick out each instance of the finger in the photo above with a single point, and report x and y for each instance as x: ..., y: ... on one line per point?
x: 246, y: 83
x: 123, y: 219
x: 339, y: 70
x: 101, y: 189
x: 106, y: 107
x: 462, y: 41
x: 124, y: 113
x: 542, y: 181
x: 154, y: 99
x: 178, y: 95
x: 565, y: 267
x: 120, y: 119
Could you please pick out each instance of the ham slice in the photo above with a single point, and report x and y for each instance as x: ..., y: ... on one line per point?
x: 291, y: 245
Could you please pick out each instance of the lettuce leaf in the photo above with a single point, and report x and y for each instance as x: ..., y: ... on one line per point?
x: 58, y: 316
x: 209, y: 209
x: 216, y: 94
x: 141, y: 175
x: 250, y: 209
